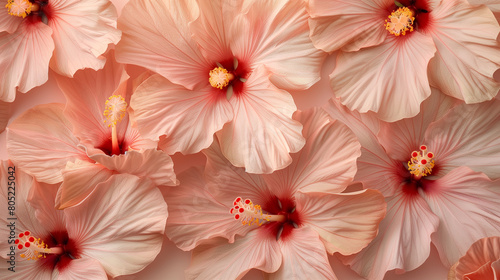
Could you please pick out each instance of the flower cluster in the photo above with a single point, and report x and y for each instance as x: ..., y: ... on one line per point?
x: 403, y: 155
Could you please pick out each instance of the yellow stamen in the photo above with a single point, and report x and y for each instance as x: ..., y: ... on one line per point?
x: 421, y: 164
x: 33, y: 247
x: 220, y: 77
x: 19, y: 8
x: 115, y: 110
x: 400, y: 21
x: 251, y: 214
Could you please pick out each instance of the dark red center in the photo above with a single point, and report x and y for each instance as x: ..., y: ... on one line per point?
x: 70, y: 251
x: 420, y: 8
x: 43, y: 14
x: 241, y: 72
x: 287, y: 208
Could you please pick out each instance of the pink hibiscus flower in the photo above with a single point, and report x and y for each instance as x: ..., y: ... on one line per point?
x: 481, y: 262
x: 392, y: 52
x: 290, y: 218
x: 439, y: 174
x: 65, y: 35
x: 54, y: 141
x: 118, y: 231
x: 222, y: 68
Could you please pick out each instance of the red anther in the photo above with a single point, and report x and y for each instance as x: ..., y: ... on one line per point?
x: 241, y: 210
x: 234, y: 203
x: 27, y: 244
x: 423, y: 161
x: 26, y: 233
x: 247, y: 201
x: 236, y: 207
x: 430, y: 155
x: 423, y: 147
x: 32, y: 239
x: 231, y: 211
x: 414, y: 154
x: 19, y: 246
x: 238, y: 199
x: 17, y: 241
x: 236, y: 216
x: 21, y: 235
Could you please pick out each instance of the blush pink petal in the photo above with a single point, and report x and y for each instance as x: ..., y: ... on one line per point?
x: 41, y: 142
x: 276, y: 34
x: 160, y: 107
x: 389, y: 79
x: 479, y: 259
x: 80, y: 180
x: 403, y: 241
x: 304, y: 255
x: 86, y: 95
x: 195, y: 215
x: 466, y: 203
x: 4, y: 115
x: 81, y: 269
x: 401, y: 138
x: 82, y: 32
x: 352, y: 221
x: 156, y: 36
x: 467, y: 51
x: 8, y: 23
x: 223, y: 260
x: 26, y: 270
x: 41, y: 198
x: 262, y: 133
x: 468, y: 136
x: 121, y: 225
x: 327, y: 162
x: 24, y: 58
x: 348, y: 25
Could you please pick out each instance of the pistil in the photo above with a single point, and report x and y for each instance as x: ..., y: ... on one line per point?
x: 114, y: 112
x: 33, y: 247
x: 400, y: 21
x: 251, y: 214
x: 421, y: 163
x: 21, y: 8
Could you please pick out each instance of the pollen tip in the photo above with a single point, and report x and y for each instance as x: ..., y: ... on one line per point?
x: 115, y: 109
x: 219, y: 77
x: 421, y: 163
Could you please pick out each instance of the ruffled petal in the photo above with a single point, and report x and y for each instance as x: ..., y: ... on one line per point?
x: 389, y: 79
x: 18, y: 53
x: 41, y: 142
x: 345, y: 222
x: 195, y: 215
x: 42, y: 198
x: 276, y: 34
x: 82, y: 32
x: 8, y: 23
x: 482, y: 253
x: 468, y: 136
x: 188, y: 118
x: 121, y: 225
x: 80, y: 180
x: 403, y: 241
x: 466, y: 203
x: 86, y: 95
x: 81, y: 269
x: 348, y: 25
x: 222, y: 260
x: 467, y: 51
x: 156, y: 36
x: 262, y: 134
x: 327, y: 162
x: 304, y: 256
x: 4, y: 115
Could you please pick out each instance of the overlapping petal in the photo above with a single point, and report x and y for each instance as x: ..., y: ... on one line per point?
x: 477, y: 263
x: 81, y: 269
x: 4, y: 115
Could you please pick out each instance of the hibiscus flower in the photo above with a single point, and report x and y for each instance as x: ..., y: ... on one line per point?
x: 283, y: 223
x: 481, y: 262
x: 53, y: 141
x: 116, y: 232
x: 439, y: 172
x: 222, y: 66
x: 392, y: 52
x: 65, y: 35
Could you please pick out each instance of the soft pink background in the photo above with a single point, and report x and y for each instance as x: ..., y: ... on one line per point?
x: 171, y: 261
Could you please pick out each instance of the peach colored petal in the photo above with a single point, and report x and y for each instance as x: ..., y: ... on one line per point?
x: 276, y: 34
x: 195, y: 215
x: 494, y: 5
x: 41, y: 198
x: 8, y: 23
x: 468, y: 136
x: 353, y: 218
x: 403, y: 241
x: 188, y: 118
x: 152, y: 164
x: 86, y: 95
x: 41, y: 142
x: 262, y: 133
x: 348, y: 25
x: 80, y: 180
x: 304, y: 256
x: 121, y: 225
x: 467, y: 51
x: 81, y: 269
x: 82, y: 32
x: 222, y: 260
x: 19, y: 51
x: 389, y: 79
x: 4, y: 115
x: 466, y: 203
x: 119, y: 4
x: 27, y: 270
x: 327, y: 162
x: 156, y: 36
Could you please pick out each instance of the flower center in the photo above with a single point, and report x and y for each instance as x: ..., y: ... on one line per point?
x: 400, y: 21
x: 21, y: 8
x: 220, y: 77
x: 33, y: 248
x: 114, y: 111
x: 421, y: 164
